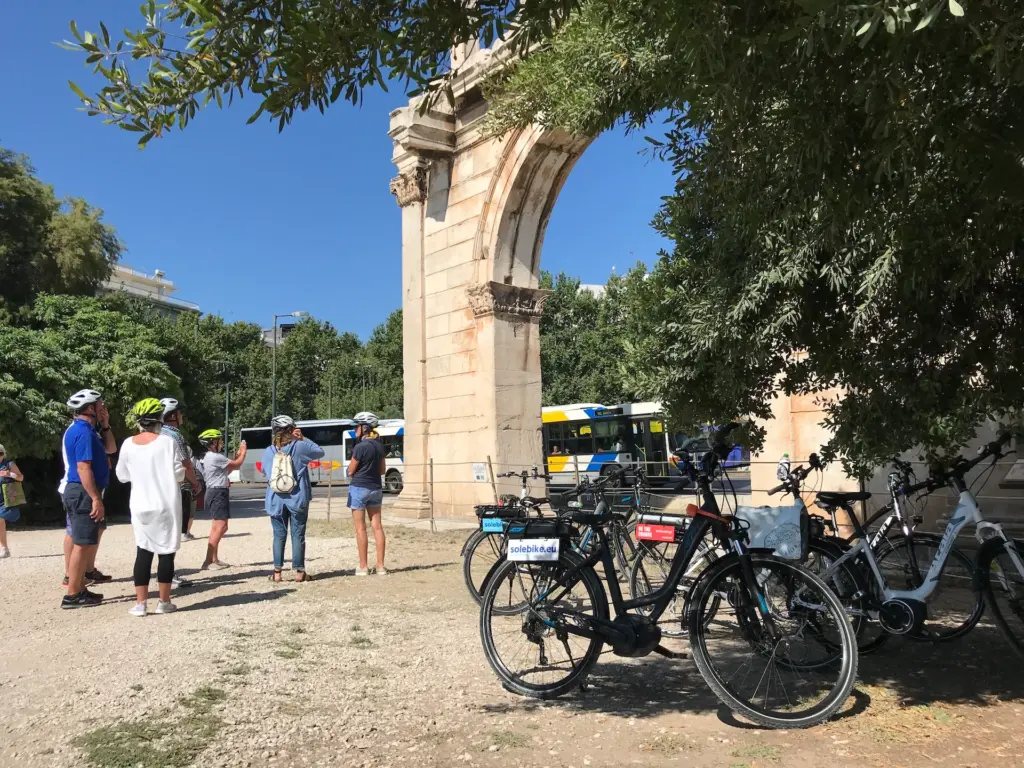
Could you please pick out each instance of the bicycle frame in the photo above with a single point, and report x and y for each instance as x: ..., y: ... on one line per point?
x: 659, y: 598
x: 966, y: 512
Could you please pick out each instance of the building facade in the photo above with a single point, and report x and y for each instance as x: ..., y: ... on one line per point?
x: 155, y: 289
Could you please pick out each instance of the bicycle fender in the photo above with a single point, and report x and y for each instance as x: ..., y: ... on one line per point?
x: 985, y: 553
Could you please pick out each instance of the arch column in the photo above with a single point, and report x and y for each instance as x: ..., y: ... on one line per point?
x: 474, y: 208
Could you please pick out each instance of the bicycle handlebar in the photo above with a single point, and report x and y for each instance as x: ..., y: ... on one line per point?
x: 962, y: 466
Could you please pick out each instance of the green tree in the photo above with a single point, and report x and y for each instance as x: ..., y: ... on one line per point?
x: 65, y: 344
x: 384, y: 355
x: 47, y: 245
x: 303, y: 359
x: 581, y: 344
x: 293, y: 56
x: 835, y: 225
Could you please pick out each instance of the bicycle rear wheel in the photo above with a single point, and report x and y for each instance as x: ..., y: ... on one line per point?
x: 524, y: 617
x: 793, y: 670
x: 1002, y: 584
x: 480, y: 553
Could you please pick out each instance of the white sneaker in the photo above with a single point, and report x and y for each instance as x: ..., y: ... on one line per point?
x: 139, y: 610
x: 380, y: 570
x: 4, y: 552
x: 362, y: 571
x: 162, y: 607
x: 187, y: 537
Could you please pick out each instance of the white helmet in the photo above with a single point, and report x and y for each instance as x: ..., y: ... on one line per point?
x: 367, y: 419
x: 170, y: 405
x: 282, y: 422
x: 82, y: 398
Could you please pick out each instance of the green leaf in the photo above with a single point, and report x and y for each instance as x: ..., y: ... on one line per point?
x: 929, y: 17
x: 106, y: 35
x: 75, y: 32
x: 78, y: 91
x: 955, y: 8
x: 145, y: 139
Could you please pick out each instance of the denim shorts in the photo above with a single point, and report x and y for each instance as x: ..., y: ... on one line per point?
x: 10, y: 514
x: 84, y: 531
x: 364, y: 498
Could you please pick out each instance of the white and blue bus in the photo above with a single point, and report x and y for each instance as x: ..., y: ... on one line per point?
x: 336, y: 437
x: 594, y: 440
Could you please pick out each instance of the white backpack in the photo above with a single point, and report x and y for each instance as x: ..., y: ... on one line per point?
x: 282, y: 473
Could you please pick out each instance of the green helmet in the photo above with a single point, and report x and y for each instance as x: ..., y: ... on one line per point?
x: 209, y: 435
x: 148, y: 411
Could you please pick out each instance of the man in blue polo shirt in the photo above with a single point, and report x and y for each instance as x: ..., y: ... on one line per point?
x: 88, y: 473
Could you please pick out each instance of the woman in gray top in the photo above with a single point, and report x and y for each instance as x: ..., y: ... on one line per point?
x: 216, y: 467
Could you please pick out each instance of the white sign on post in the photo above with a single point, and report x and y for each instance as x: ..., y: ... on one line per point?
x: 479, y: 473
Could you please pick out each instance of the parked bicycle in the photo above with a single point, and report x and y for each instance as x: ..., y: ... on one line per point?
x: 486, y: 546
x: 779, y: 650
x: 911, y: 611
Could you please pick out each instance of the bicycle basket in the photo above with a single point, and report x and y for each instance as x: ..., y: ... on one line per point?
x: 783, y: 530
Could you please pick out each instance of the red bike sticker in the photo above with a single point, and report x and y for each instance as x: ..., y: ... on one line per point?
x: 645, y: 532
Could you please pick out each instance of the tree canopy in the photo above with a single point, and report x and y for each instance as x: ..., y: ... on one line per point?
x: 848, y: 212
x: 47, y: 245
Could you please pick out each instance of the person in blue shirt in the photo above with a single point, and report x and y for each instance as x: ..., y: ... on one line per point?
x: 290, y: 509
x: 88, y: 474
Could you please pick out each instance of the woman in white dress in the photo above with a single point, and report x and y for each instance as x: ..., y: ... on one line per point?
x: 151, y: 463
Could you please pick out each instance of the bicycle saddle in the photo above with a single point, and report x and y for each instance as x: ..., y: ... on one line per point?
x: 841, y: 498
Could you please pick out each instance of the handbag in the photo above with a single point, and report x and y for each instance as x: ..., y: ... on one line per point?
x: 14, y: 494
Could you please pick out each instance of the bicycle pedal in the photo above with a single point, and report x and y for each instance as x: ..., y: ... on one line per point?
x: 663, y: 651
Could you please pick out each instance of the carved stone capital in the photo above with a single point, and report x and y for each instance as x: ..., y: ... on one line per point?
x: 410, y: 187
x: 509, y: 301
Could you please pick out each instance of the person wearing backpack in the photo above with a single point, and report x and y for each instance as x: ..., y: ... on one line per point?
x: 286, y: 467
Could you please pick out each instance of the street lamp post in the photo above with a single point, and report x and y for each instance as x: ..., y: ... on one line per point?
x: 273, y: 363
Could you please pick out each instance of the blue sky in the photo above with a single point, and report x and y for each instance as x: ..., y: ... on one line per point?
x: 249, y: 222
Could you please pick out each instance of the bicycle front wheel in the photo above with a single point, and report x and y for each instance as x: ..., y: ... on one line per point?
x: 525, y: 617
x: 956, y: 604
x: 1003, y: 585
x: 791, y: 668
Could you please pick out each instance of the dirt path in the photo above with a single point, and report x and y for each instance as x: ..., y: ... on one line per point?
x: 388, y: 671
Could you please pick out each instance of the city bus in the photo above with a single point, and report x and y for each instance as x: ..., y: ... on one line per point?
x: 336, y: 437
x: 593, y: 440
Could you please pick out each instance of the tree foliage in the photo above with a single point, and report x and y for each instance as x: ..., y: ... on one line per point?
x: 69, y: 343
x: 291, y: 55
x: 47, y: 245
x: 582, y: 344
x: 849, y: 207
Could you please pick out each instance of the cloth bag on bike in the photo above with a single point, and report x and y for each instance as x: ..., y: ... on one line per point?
x: 783, y: 530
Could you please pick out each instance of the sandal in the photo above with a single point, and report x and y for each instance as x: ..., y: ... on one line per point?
x: 302, y: 576
x: 276, y: 577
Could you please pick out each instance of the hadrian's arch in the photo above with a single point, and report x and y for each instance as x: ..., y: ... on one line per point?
x: 474, y: 209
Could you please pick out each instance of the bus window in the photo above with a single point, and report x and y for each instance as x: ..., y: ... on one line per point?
x: 392, y: 446
x: 555, y: 439
x: 256, y: 439
x: 610, y: 436
x: 324, y: 436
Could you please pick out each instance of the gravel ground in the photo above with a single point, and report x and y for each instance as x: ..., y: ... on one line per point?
x: 388, y: 671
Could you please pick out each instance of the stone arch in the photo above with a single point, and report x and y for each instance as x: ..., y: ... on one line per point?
x: 532, y: 171
x: 474, y: 211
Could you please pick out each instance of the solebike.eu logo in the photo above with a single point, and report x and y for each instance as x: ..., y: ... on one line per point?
x: 533, y: 550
